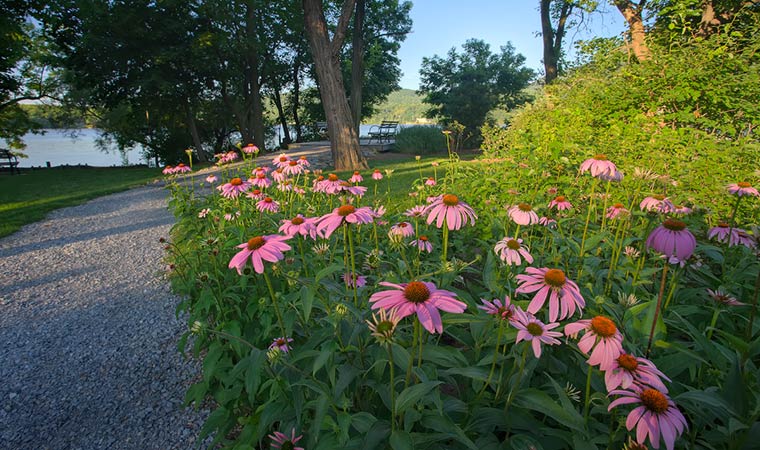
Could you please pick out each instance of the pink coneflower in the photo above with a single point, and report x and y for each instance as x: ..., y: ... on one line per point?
x: 318, y: 185
x: 657, y: 203
x: 377, y: 175
x: 168, y: 170
x: 260, y: 249
x: 304, y: 162
x: 281, y: 343
x: 450, y: 209
x: 430, y: 181
x: 383, y: 325
x: 255, y: 194
x: 356, y: 178
x: 285, y: 186
x: 533, y: 330
x: 328, y: 223
x: 378, y: 212
x: 631, y: 252
x: 250, y: 149
x: 403, y: 229
x: 283, y: 442
x: 234, y: 188
x: 563, y: 294
x: 560, y: 203
x: 598, y: 165
x: 203, y: 213
x: 657, y: 416
x: 504, y: 311
x: 359, y: 280
x: 743, y: 188
x: 181, y: 168
x: 332, y: 184
x: 416, y: 211
x: 552, y: 190
x: 720, y: 232
x: 280, y: 160
x: 268, y: 204
x: 279, y: 175
x: 299, y: 225
x: 617, y: 210
x: 264, y: 170
x: 261, y: 180
x: 627, y: 369
x: 672, y: 239
x: 523, y: 214
x: 422, y: 243
x: 211, y: 179
x: 741, y: 237
x: 615, y: 176
x: 602, y: 335
x: 227, y: 157
x: 547, y: 222
x: 352, y: 189
x: 511, y: 251
x: 292, y: 168
x: 722, y: 298
x: 418, y: 297
x: 682, y: 210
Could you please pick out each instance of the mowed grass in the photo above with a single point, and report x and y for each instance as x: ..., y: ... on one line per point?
x: 30, y: 196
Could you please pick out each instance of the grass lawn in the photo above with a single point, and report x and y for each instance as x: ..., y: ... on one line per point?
x: 29, y: 197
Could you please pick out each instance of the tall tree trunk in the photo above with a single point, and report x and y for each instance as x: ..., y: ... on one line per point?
x: 344, y: 141
x: 252, y: 88
x: 357, y: 66
x: 547, y: 35
x: 193, y: 128
x: 281, y: 113
x: 240, y: 117
x: 296, y: 99
x: 633, y: 13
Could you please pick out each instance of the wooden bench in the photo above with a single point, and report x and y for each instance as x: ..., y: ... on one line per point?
x: 321, y: 129
x: 384, y: 132
x: 8, y: 159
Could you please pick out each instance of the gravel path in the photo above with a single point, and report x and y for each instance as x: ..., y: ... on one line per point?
x: 88, y: 333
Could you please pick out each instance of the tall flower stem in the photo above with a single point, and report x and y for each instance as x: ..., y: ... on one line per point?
x: 392, y: 386
x: 585, y: 228
x: 276, y: 306
x: 754, y: 307
x: 411, y: 357
x: 353, y: 264
x: 587, y: 400
x: 445, y: 239
x: 713, y: 321
x: 512, y: 391
x: 657, y: 307
x: 495, y: 355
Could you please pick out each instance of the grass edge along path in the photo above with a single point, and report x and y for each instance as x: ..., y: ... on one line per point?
x: 29, y: 197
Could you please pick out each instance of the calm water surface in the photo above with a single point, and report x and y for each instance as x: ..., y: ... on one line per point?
x: 59, y: 148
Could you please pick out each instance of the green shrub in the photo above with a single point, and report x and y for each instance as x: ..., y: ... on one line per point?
x: 421, y: 140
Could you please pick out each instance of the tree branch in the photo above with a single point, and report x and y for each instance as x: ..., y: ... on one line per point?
x: 343, y: 22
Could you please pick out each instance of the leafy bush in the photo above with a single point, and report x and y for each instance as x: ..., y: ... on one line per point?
x: 420, y: 140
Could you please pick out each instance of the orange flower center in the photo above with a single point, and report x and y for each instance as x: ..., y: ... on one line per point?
x: 534, y: 329
x: 303, y: 158
x: 356, y: 173
x: 403, y: 225
x: 450, y: 200
x: 376, y: 171
x: 628, y: 362
x: 320, y: 178
x: 283, y: 159
x: 256, y: 243
x: 600, y: 157
x: 268, y: 200
x: 280, y: 341
x: 723, y: 224
x: 416, y: 292
x: 513, y: 244
x: 603, y: 326
x: 181, y: 165
x: 345, y: 183
x: 431, y: 178
x: 256, y: 192
x: 741, y: 184
x: 525, y: 207
x: 560, y: 199
x: 654, y: 400
x: 555, y: 278
x: 236, y: 182
x: 618, y: 205
x: 423, y: 238
x: 293, y: 163
x: 332, y: 177
x: 345, y: 210
x: 673, y: 224
x: 261, y: 176
x: 659, y: 197
x: 297, y: 220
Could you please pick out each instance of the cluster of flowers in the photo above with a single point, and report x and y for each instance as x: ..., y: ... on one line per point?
x: 178, y: 169
x: 226, y: 158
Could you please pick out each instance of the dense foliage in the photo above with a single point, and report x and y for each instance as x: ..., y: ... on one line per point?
x: 420, y: 140
x: 287, y: 348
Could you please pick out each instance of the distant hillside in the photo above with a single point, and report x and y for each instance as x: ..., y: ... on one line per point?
x: 403, y: 105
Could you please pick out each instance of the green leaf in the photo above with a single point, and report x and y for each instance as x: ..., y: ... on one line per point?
x: 376, y: 435
x: 540, y: 401
x: 363, y: 421
x: 307, y: 302
x: 253, y: 373
x: 412, y: 394
x: 401, y: 440
x: 329, y: 270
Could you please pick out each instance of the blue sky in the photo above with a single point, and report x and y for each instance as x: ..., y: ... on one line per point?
x: 442, y: 24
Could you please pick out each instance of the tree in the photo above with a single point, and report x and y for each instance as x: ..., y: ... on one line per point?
x: 565, y: 14
x: 465, y: 87
x: 633, y: 13
x: 344, y: 140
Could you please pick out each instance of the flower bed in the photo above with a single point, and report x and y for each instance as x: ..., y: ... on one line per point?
x: 479, y: 312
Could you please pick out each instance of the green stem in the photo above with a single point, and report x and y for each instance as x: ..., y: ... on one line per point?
x: 493, y: 363
x: 587, y: 401
x: 585, y: 229
x: 445, y: 239
x: 276, y: 306
x: 392, y: 387
x: 657, y: 308
x: 713, y: 321
x: 754, y: 308
x: 353, y: 265
x: 411, y: 358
